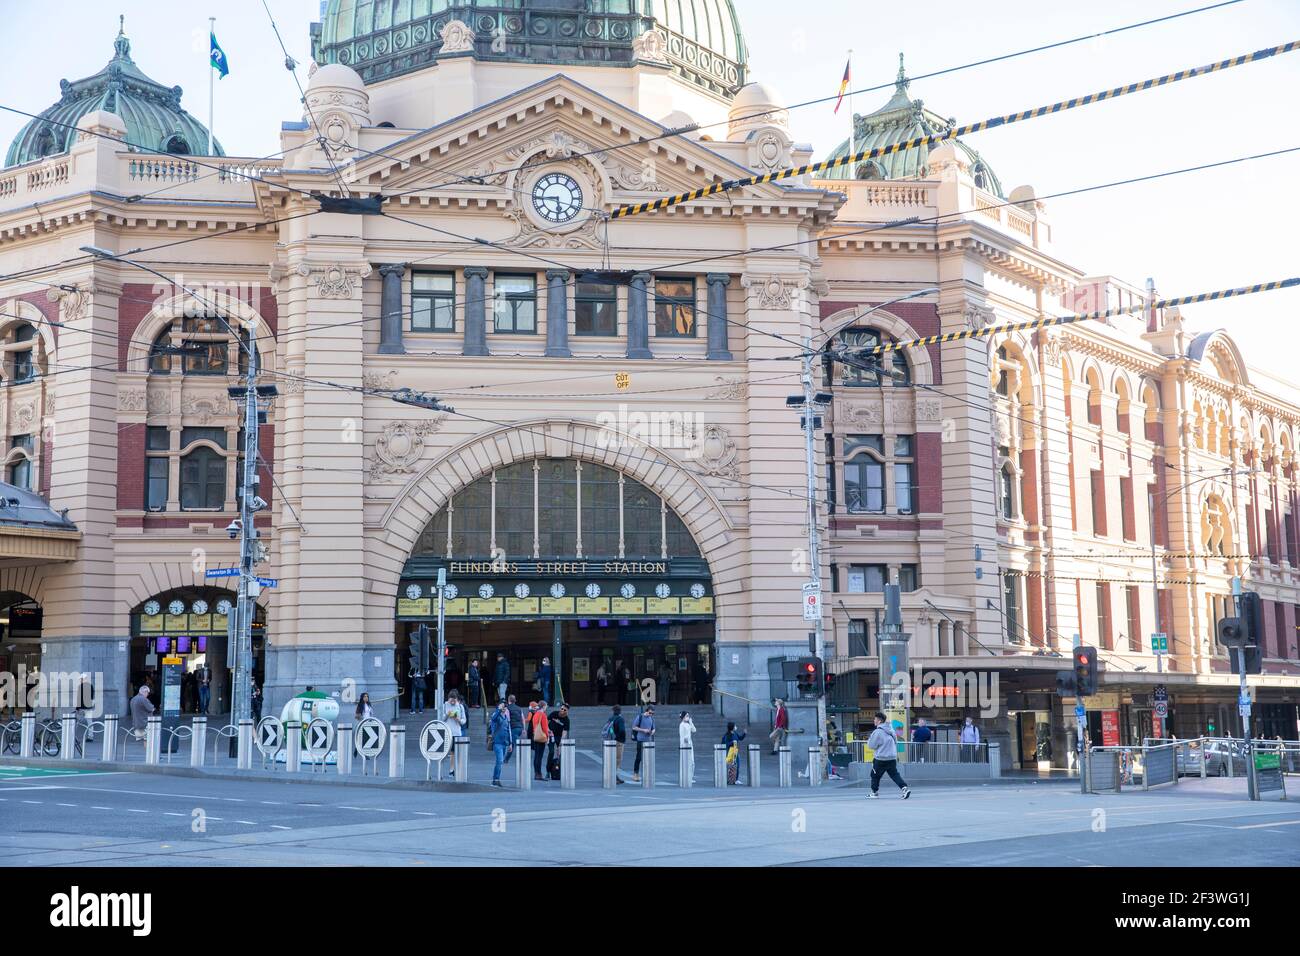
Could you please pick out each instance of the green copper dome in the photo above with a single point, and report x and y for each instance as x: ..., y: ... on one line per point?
x: 904, y: 118
x: 384, y: 38
x: 152, y: 113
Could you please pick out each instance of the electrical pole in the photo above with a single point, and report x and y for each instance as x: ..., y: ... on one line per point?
x: 442, y: 638
x: 810, y: 405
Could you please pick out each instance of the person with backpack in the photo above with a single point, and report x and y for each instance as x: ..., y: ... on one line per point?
x: 969, y: 738
x: 616, y: 730
x: 539, y: 732
x: 885, y: 759
x: 502, y: 738
x: 545, y: 677
x: 731, y: 740
x: 643, y: 731
x: 686, y: 741
x: 558, y: 721
x: 516, y: 714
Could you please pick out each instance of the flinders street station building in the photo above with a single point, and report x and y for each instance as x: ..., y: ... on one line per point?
x: 614, y: 474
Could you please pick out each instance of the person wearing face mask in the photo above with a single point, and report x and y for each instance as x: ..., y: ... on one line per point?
x: 970, y: 738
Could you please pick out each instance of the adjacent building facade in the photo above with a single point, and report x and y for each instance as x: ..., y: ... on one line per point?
x: 619, y: 482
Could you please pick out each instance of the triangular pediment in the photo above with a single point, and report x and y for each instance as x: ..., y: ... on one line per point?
x: 481, y: 156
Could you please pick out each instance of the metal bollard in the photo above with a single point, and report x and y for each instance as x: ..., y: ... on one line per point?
x: 995, y: 760
x: 396, y: 750
x: 1202, y: 760
x: 719, y: 765
x: 460, y: 756
x: 754, y: 772
x: 686, y: 767
x: 523, y: 764
x: 110, y: 738
x: 293, y: 746
x: 568, y: 764
x: 343, y: 744
x: 198, y: 741
x: 27, y: 740
x: 609, y: 776
x: 153, y: 741
x: 1227, y: 754
x: 67, y: 733
x: 648, y: 765
x: 244, y: 745
x: 784, y: 777
x: 815, y: 768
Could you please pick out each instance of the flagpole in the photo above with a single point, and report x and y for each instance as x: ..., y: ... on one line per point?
x: 212, y: 31
x: 853, y: 126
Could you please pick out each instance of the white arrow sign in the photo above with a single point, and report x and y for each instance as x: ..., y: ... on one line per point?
x: 320, y: 738
x: 435, y: 740
x: 370, y: 736
x: 270, y: 736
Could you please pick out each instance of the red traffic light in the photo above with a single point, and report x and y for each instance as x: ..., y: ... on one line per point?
x: 810, y: 668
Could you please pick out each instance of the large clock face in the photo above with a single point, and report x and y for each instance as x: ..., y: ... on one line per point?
x: 557, y: 198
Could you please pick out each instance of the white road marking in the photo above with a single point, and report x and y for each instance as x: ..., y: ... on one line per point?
x: 247, y: 823
x: 133, y: 810
x: 32, y: 801
x: 65, y: 804
x: 101, y: 808
x: 172, y: 813
x: 277, y: 827
x: 1264, y: 826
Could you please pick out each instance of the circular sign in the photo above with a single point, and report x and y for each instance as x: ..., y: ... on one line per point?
x: 319, y: 738
x: 1162, y: 709
x: 370, y: 736
x: 435, y: 740
x: 269, y: 735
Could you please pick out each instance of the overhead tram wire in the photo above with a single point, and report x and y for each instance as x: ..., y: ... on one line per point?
x: 682, y: 131
x: 656, y: 205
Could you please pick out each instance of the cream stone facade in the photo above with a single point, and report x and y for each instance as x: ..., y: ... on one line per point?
x: 560, y: 340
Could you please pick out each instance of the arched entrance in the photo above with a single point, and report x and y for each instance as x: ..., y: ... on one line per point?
x: 190, y: 623
x: 569, y: 560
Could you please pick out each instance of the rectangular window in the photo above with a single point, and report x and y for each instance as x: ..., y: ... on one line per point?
x: 1098, y: 503
x: 864, y: 474
x: 867, y: 578
x: 23, y: 368
x: 158, y: 469
x: 1103, y: 615
x: 516, y: 303
x: 1011, y: 606
x: 830, y: 474
x: 203, y: 480
x: 675, y: 308
x: 859, y: 637
x: 1128, y: 521
x: 599, y: 511
x: 557, y: 514
x: 1133, y: 604
x: 1288, y: 526
x: 21, y: 441
x: 158, y: 438
x: 514, y: 510
x: 904, y: 475
x: 596, y: 309
x: 433, y: 302
x: 909, y: 577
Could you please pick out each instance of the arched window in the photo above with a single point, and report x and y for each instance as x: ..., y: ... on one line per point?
x: 1094, y: 397
x: 980, y: 175
x: 552, y: 508
x: 18, y: 470
x: 46, y: 145
x: 871, y: 369
x: 199, y: 345
x: 1008, y: 492
x: 24, y: 368
x: 203, y: 480
x: 177, y: 145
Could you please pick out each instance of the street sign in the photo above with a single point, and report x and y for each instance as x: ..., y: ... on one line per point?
x: 221, y: 573
x: 435, y: 740
x: 320, y: 738
x: 268, y: 582
x: 1159, y: 644
x: 622, y: 381
x: 270, y: 736
x: 1243, y: 708
x: 370, y: 735
x: 1162, y: 708
x: 812, y: 601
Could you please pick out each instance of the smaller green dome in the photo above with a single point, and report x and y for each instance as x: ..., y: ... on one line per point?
x: 899, y: 120
x: 152, y: 113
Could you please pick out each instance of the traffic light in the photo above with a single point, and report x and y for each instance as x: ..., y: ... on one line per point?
x: 1085, y: 671
x: 1065, y: 684
x: 830, y: 683
x: 420, y: 649
x: 1251, y: 609
x: 809, y: 679
x: 1231, y: 633
x: 1254, y: 660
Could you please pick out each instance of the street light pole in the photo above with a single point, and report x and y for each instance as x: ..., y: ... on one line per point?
x: 810, y: 405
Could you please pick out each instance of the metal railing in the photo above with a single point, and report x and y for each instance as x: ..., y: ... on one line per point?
x: 937, y: 752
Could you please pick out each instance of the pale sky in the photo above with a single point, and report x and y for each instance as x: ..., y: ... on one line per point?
x: 1193, y: 233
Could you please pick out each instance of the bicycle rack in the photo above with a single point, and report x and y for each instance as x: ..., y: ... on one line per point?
x: 183, y: 732
x: 11, y: 737
x: 228, y: 731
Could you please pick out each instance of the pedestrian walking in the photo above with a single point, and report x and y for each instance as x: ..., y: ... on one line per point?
x: 516, y: 714
x: 501, y: 677
x: 885, y: 760
x: 616, y: 730
x: 141, y: 708
x: 418, y: 686
x: 970, y: 738
x: 545, y: 677
x: 539, y: 732
x: 731, y: 740
x: 204, y: 677
x: 602, y: 682
x: 502, y: 738
x: 686, y: 741
x: 643, y: 731
x: 474, y: 680
x: 255, y: 703
x: 664, y: 686
x: 453, y: 714
x: 558, y: 721
x: 780, y: 724
x: 364, y: 709
x: 701, y: 680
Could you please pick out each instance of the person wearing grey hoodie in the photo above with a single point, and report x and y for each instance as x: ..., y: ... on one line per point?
x: 885, y: 760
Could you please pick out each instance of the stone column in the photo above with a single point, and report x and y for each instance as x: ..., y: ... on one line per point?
x: 557, y: 313
x: 390, y: 317
x: 638, y: 317
x: 718, y: 283
x: 476, y: 311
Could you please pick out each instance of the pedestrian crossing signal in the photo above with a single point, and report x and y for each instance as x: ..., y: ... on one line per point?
x: 1085, y: 671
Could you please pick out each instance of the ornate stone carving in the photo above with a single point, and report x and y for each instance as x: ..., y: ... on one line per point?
x: 1052, y: 350
x: 379, y: 380
x: 863, y: 414
x: 652, y: 46
x: 202, y: 408
x: 25, y: 416
x: 292, y: 384
x: 729, y: 390
x: 159, y: 403
x: 929, y: 410
x: 717, y: 453
x: 457, y: 37
x: 72, y: 301
x: 901, y: 411
x: 400, y: 446
x: 528, y: 233
x: 773, y: 292
x: 978, y: 316
x: 335, y: 281
x: 132, y: 400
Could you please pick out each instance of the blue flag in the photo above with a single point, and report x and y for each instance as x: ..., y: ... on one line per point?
x: 218, y: 55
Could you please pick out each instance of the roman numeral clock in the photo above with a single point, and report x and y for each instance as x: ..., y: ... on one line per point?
x: 559, y: 198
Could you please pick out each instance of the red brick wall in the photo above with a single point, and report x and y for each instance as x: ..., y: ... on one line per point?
x: 1028, y: 485
x: 929, y: 472
x: 130, y: 466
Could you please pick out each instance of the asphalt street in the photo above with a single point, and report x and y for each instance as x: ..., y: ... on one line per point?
x: 53, y: 818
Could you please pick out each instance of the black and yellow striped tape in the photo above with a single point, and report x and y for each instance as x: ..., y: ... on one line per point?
x: 712, y: 190
x: 1033, y: 324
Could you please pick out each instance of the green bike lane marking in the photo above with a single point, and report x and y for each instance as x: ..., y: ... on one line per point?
x: 9, y: 772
